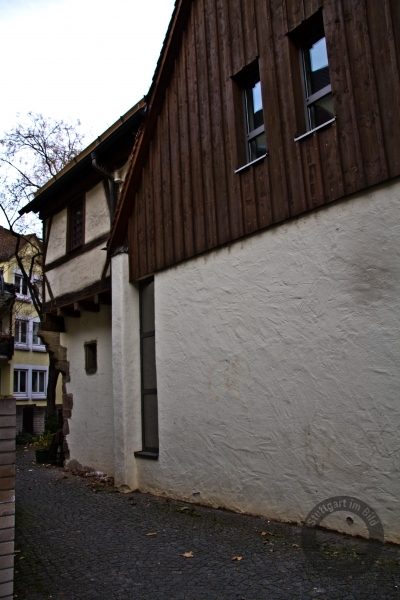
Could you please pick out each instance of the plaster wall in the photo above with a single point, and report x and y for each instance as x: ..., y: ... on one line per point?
x: 76, y: 274
x: 277, y: 367
x: 91, y: 435
x: 97, y: 215
x: 57, y: 245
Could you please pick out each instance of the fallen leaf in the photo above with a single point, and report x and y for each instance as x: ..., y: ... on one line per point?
x: 238, y: 558
x: 266, y: 542
x: 272, y: 550
x: 152, y: 533
x: 188, y: 554
x: 183, y: 508
x: 263, y: 533
x: 295, y: 545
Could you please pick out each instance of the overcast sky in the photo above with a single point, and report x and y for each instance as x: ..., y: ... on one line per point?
x: 78, y: 59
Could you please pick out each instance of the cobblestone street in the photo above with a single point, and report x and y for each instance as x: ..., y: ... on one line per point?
x: 77, y: 541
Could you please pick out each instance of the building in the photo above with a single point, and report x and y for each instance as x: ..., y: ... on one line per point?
x: 24, y: 368
x: 77, y: 208
x: 255, y: 263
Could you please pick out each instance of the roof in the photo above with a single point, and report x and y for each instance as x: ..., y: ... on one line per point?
x: 7, y: 244
x: 131, y: 119
x: 155, y: 99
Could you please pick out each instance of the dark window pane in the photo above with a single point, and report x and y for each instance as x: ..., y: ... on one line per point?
x: 22, y: 381
x: 149, y: 363
x: 150, y: 421
x: 34, y: 381
x: 147, y: 306
x: 321, y: 111
x: 41, y: 381
x: 91, y: 358
x: 257, y: 147
x: 76, y: 224
x: 23, y: 331
x: 16, y: 381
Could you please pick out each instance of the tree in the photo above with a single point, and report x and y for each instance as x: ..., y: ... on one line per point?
x: 31, y: 153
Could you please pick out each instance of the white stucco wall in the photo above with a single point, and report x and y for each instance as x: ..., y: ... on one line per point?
x: 278, y: 366
x: 57, y: 245
x: 91, y: 437
x: 97, y: 215
x: 78, y: 273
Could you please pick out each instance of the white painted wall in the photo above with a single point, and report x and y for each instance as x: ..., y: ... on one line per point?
x: 91, y: 437
x: 97, y: 215
x: 76, y: 274
x: 278, y: 366
x: 57, y: 245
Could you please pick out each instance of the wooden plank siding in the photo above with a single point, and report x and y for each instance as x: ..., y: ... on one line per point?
x: 188, y: 199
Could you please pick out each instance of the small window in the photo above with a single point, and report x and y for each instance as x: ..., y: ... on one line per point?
x: 317, y: 83
x: 21, y: 331
x: 76, y: 224
x: 91, y: 358
x: 38, y: 382
x: 36, y: 340
x: 21, y: 286
x: 255, y: 133
x: 20, y: 381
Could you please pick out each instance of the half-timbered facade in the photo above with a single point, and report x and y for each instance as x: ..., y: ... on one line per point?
x: 77, y: 208
x: 254, y: 339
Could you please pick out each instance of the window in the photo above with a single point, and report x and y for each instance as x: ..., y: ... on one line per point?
x: 249, y: 117
x: 36, y: 341
x: 76, y: 224
x: 317, y: 83
x: 21, y: 286
x: 38, y: 382
x: 91, y: 358
x: 148, y: 367
x: 256, y: 144
x: 21, y: 331
x: 20, y: 381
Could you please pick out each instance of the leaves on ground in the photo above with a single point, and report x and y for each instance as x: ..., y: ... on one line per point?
x: 151, y: 533
x: 188, y: 554
x: 237, y: 558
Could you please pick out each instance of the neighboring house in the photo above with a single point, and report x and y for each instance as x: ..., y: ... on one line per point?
x: 24, y: 373
x: 255, y: 265
x: 77, y: 207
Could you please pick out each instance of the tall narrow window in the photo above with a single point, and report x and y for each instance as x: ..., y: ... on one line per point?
x: 91, y: 358
x: 256, y: 144
x: 21, y: 329
x: 148, y: 366
x: 21, y: 286
x: 20, y: 381
x: 36, y: 340
x: 38, y: 382
x: 76, y: 224
x: 317, y: 83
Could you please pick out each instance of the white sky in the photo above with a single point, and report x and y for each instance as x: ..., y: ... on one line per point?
x: 78, y: 59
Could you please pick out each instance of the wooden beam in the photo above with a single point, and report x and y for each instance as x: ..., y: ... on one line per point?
x: 86, y: 306
x: 102, y: 299
x: 68, y: 312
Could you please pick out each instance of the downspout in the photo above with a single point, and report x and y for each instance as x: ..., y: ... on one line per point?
x: 112, y: 184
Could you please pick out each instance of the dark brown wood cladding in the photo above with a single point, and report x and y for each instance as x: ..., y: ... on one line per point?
x: 189, y: 198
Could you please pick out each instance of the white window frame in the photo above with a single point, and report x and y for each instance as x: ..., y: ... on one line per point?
x: 23, y: 297
x: 29, y: 394
x: 35, y: 347
x: 22, y: 345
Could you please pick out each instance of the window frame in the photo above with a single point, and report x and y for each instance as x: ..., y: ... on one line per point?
x: 90, y: 369
x: 70, y: 224
x: 147, y: 451
x: 29, y: 394
x: 18, y: 344
x: 243, y: 83
x: 19, y: 291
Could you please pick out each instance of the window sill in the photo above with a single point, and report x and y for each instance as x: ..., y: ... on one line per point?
x: 253, y: 162
x: 296, y: 139
x: 148, y: 455
x: 19, y: 346
x: 38, y: 348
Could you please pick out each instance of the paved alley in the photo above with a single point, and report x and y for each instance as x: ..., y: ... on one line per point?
x: 77, y: 539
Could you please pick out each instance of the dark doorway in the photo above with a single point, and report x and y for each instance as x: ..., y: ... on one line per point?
x: 27, y: 419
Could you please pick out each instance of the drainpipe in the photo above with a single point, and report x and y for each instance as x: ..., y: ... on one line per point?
x: 112, y: 183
